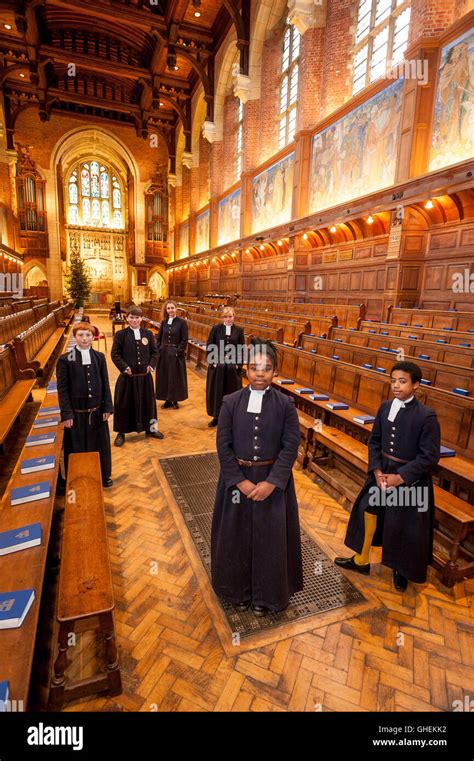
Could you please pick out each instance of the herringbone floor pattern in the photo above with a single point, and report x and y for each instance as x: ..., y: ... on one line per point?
x: 414, y: 653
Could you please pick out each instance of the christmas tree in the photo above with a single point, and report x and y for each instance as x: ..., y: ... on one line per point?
x: 78, y: 282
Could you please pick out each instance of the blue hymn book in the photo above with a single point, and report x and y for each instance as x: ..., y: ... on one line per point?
x: 35, y: 464
x: 40, y: 438
x: 21, y: 538
x: 49, y: 411
x: 337, y: 406
x: 46, y: 422
x: 364, y: 419
x: 14, y: 606
x: 32, y: 493
x: 319, y: 397
x: 4, y: 694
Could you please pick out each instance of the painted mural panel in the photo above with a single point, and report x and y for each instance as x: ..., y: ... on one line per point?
x: 272, y: 195
x: 202, y: 232
x: 453, y: 124
x: 228, y: 218
x: 357, y: 154
x: 184, y: 240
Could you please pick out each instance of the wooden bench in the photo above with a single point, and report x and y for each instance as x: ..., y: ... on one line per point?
x: 454, y: 518
x: 348, y: 315
x: 15, y: 391
x: 451, y: 354
x: 438, y: 319
x: 440, y: 374
x: 26, y: 569
x: 85, y: 596
x: 38, y: 346
x: 364, y: 391
x: 422, y: 334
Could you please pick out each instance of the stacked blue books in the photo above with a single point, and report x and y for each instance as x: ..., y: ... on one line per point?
x: 285, y: 381
x: 304, y: 390
x: 23, y: 494
x: 21, y: 538
x: 319, y: 397
x: 461, y: 391
x: 337, y: 406
x: 14, y: 606
x: 52, y: 387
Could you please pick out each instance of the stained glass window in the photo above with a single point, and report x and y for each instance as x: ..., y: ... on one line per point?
x: 288, y: 85
x: 89, y: 203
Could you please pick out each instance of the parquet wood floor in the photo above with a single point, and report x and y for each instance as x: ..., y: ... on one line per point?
x: 413, y: 652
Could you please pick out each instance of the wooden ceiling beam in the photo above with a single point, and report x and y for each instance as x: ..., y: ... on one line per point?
x: 94, y: 63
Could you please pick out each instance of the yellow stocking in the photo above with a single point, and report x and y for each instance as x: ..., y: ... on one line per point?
x: 370, y: 524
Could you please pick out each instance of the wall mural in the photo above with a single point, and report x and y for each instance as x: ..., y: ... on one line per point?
x: 272, y: 195
x: 228, y: 218
x: 184, y: 240
x: 357, y: 154
x: 453, y: 124
x: 202, y: 232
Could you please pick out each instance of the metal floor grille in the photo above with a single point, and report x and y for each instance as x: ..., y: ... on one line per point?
x: 193, y: 481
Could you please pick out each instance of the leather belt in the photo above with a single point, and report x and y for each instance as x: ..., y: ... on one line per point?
x: 253, y: 463
x: 396, y: 459
x: 91, y: 409
x: 137, y: 375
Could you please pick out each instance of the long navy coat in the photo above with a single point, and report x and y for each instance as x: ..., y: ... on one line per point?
x: 134, y: 397
x: 83, y: 387
x: 404, y: 532
x: 256, y: 546
x: 171, y: 377
x: 226, y: 377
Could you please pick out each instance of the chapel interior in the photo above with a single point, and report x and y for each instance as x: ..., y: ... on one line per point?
x: 310, y: 163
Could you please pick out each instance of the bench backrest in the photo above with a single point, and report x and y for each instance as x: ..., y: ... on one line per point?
x: 7, y: 371
x: 423, y: 334
x: 432, y: 318
x: 366, y: 390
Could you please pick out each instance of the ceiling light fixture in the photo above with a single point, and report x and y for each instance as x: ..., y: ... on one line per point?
x: 305, y: 236
x: 370, y: 220
x: 7, y: 26
x: 429, y: 204
x: 333, y: 229
x: 279, y: 243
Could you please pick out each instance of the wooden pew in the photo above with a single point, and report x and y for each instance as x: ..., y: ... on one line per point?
x: 15, y: 391
x: 438, y: 319
x: 364, y: 391
x: 423, y: 334
x: 348, y: 315
x: 448, y: 353
x: 345, y: 470
x: 26, y: 569
x: 85, y: 595
x: 440, y: 374
x: 39, y: 345
x: 13, y: 324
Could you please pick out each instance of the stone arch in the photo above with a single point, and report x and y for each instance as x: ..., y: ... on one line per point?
x: 33, y: 272
x: 230, y: 55
x: 199, y: 111
x: 157, y: 275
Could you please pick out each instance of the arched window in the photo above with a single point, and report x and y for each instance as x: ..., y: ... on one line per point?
x: 289, y: 85
x: 94, y: 196
x: 380, y: 40
x: 239, y: 139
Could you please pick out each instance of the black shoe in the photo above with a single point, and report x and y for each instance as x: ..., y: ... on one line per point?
x: 107, y: 484
x: 399, y: 581
x: 119, y: 439
x: 166, y: 405
x: 241, y: 606
x: 155, y: 434
x: 175, y: 405
x: 350, y: 565
x: 212, y: 423
x: 260, y: 610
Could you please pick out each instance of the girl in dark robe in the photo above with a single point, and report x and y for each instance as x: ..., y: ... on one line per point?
x: 135, y: 354
x: 85, y: 400
x: 255, y: 540
x: 225, y: 356
x: 395, y: 508
x: 172, y: 340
